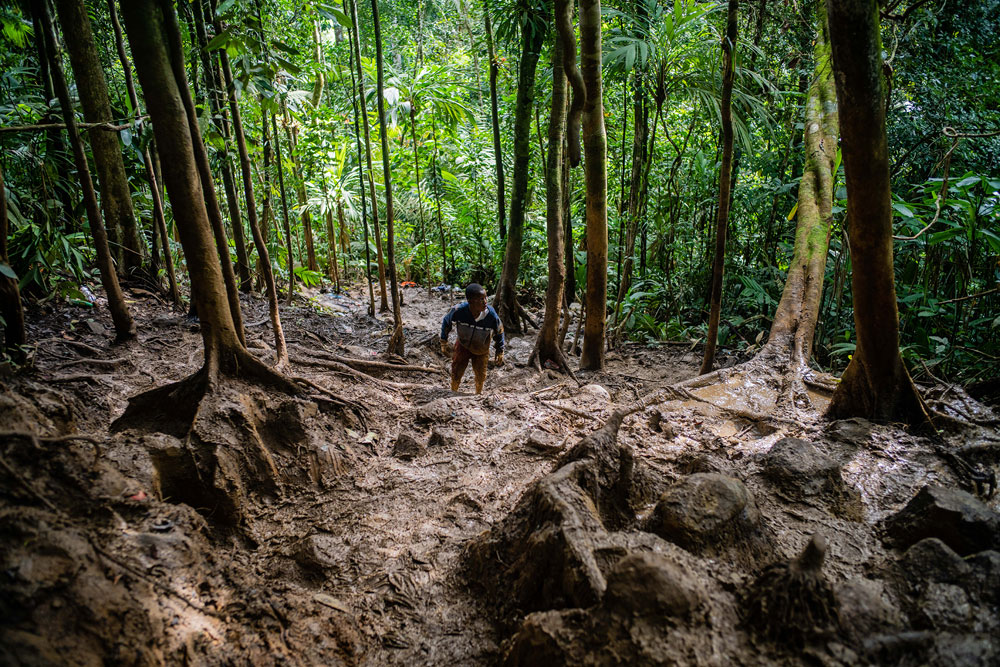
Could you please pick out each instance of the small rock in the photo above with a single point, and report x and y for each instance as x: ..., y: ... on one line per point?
x: 853, y: 431
x: 649, y: 584
x: 957, y: 518
x: 441, y: 438
x: 985, y: 567
x: 435, y: 411
x: 933, y: 560
x: 596, y: 391
x: 863, y: 609
x: 542, y: 442
x: 943, y: 607
x: 320, y: 552
x: 703, y: 508
x: 407, y: 447
x: 801, y: 469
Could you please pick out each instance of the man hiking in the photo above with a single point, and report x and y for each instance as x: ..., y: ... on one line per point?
x: 477, y: 323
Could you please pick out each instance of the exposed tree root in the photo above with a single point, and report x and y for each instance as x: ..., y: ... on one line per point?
x: 361, y: 364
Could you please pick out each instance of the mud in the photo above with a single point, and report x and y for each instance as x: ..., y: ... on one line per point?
x: 438, y: 528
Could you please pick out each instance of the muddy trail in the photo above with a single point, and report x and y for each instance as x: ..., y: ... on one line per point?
x: 382, y: 519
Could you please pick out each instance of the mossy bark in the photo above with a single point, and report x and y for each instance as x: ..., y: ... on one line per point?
x: 795, y: 318
x: 876, y: 384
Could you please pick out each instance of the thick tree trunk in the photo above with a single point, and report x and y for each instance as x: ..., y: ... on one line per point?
x: 10, y: 296
x: 124, y: 326
x: 505, y: 299
x: 570, y: 259
x: 725, y: 182
x: 383, y: 299
x: 355, y: 53
x: 876, y: 384
x: 495, y: 119
x: 595, y: 144
x: 547, y: 343
x: 92, y: 88
x: 158, y: 217
x: 795, y: 318
x: 396, y: 341
x: 259, y: 237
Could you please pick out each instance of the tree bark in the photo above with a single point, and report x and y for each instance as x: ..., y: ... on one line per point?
x: 876, y: 384
x: 147, y: 158
x: 300, y: 189
x: 124, y: 326
x: 505, y: 299
x: 396, y: 341
x: 420, y: 198
x: 383, y: 303
x: 355, y: 53
x: 279, y: 167
x: 797, y: 313
x: 595, y: 144
x: 547, y: 343
x: 259, y: 239
x: 92, y: 88
x: 495, y: 119
x: 725, y: 182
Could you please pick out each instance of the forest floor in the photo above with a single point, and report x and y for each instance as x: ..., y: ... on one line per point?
x: 411, y: 531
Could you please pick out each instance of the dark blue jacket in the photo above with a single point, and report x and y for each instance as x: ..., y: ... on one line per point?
x: 472, y: 334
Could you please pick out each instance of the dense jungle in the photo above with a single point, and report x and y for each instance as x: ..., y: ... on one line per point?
x: 737, y: 270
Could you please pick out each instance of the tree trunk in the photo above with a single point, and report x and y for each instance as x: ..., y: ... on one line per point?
x: 725, y: 174
x: 420, y: 199
x: 158, y: 217
x: 437, y: 200
x: 495, y: 118
x: 280, y: 168
x: 124, y: 326
x: 355, y: 54
x: 92, y: 88
x: 396, y: 341
x: 547, y: 343
x: 505, y: 299
x: 10, y: 296
x: 797, y: 313
x: 383, y: 304
x: 876, y: 384
x: 259, y: 238
x: 300, y: 189
x: 317, y: 92
x: 596, y: 177
x: 213, y: 88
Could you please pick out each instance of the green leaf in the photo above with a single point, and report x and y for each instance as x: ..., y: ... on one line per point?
x: 992, y: 238
x: 7, y: 271
x: 902, y: 209
x: 967, y: 181
x: 219, y: 41
x: 281, y: 46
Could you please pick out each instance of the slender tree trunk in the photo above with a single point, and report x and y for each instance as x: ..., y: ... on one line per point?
x: 725, y: 174
x: 595, y: 174
x: 317, y: 92
x: 158, y: 217
x: 280, y: 168
x: 547, y: 343
x: 300, y: 189
x: 570, y: 262
x: 505, y: 299
x: 383, y: 303
x: 420, y: 199
x: 10, y: 296
x: 495, y: 119
x: 333, y: 245
x: 173, y: 36
x: 259, y: 238
x: 876, y: 384
x: 213, y: 87
x: 355, y: 54
x: 396, y: 341
x: 437, y: 201
x: 92, y: 88
x: 124, y: 326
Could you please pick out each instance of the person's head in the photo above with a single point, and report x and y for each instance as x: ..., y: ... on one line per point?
x: 475, y: 294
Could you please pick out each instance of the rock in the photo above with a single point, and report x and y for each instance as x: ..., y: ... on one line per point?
x: 659, y: 423
x: 985, y: 567
x: 544, y: 442
x: 957, y: 518
x: 864, y: 610
x: 321, y: 551
x: 943, y: 607
x: 441, y: 437
x: 407, y: 447
x: 648, y: 584
x: 853, y: 431
x: 547, y: 638
x: 704, y: 508
x: 933, y: 560
x: 800, y: 469
x: 435, y: 411
x: 596, y: 391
